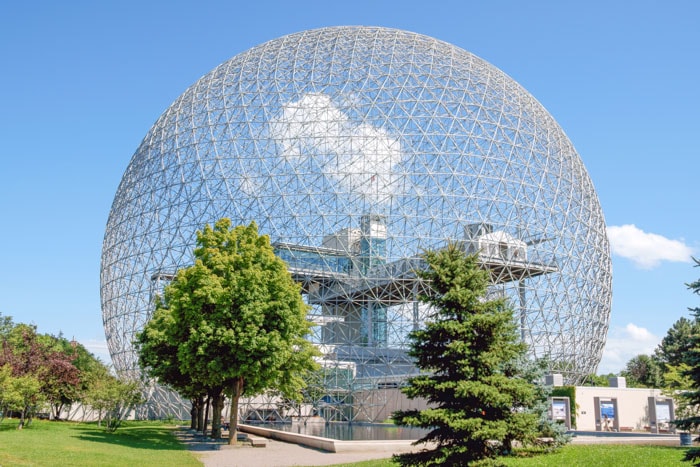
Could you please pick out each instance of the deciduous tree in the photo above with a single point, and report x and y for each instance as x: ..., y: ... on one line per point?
x: 113, y: 398
x: 59, y: 365
x: 599, y: 380
x: 236, y: 318
x: 42, y: 358
x: 6, y: 326
x: 24, y: 397
x: 158, y: 356
x: 643, y: 371
x: 8, y: 398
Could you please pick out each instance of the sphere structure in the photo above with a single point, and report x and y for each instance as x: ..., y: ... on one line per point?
x: 355, y: 149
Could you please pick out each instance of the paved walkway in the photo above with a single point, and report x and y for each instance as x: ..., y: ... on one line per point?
x: 276, y: 454
x: 592, y: 437
x: 280, y: 454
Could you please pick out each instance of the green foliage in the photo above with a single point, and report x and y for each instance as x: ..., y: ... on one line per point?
x: 40, y: 358
x: 534, y: 372
x: 7, y: 397
x: 28, y: 397
x: 471, y: 361
x: 112, y: 398
x: 679, y: 385
x: 21, y: 394
x: 59, y: 365
x: 234, y: 322
x: 643, y: 371
x: 602, y: 381
x: 6, y: 326
x: 687, y: 373
x: 158, y: 355
x: 84, y: 362
x: 40, y: 370
x: 678, y: 341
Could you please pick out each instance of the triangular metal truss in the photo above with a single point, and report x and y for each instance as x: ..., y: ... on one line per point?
x: 355, y: 149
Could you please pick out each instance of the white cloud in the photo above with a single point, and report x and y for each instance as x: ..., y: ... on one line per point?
x: 646, y: 250
x: 359, y: 157
x: 623, y: 344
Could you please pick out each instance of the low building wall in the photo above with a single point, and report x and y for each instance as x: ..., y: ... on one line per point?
x: 632, y: 406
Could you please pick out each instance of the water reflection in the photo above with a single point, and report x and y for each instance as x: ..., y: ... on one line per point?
x: 348, y: 432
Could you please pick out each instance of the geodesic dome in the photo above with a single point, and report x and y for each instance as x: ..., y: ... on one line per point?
x: 354, y: 149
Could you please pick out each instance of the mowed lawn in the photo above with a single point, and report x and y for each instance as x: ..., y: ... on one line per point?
x: 603, y: 455
x: 607, y: 455
x: 48, y: 443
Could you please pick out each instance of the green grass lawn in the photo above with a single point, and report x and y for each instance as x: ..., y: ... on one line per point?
x: 48, y: 443
x: 607, y: 455
x: 613, y: 455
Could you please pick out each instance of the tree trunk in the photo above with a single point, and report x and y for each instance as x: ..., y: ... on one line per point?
x: 217, y: 407
x: 194, y: 412
x: 21, y: 419
x: 508, y: 446
x: 200, y: 413
x: 236, y: 393
x: 206, y: 415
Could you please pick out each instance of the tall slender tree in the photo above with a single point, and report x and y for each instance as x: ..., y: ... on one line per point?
x: 469, y: 354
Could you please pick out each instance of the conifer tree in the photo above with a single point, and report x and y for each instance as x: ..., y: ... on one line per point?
x: 469, y: 354
x: 690, y: 398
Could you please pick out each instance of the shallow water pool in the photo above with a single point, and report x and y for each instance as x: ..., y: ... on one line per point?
x: 348, y: 431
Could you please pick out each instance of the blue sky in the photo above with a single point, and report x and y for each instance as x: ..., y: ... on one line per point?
x: 82, y: 82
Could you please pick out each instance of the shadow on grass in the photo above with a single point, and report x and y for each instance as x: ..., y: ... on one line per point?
x: 8, y: 427
x: 11, y: 424
x: 134, y: 437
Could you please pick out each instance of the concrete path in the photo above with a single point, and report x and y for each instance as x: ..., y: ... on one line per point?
x: 276, y: 454
x: 593, y: 437
x: 280, y: 454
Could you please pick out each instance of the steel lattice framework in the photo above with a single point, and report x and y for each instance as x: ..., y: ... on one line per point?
x: 356, y: 148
